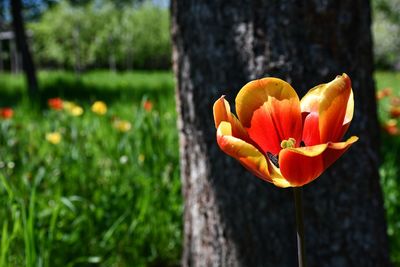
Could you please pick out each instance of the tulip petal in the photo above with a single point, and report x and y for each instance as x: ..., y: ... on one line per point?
x: 311, y: 129
x: 249, y: 156
x: 277, y: 178
x: 349, y: 115
x: 335, y: 107
x: 332, y: 109
x: 302, y: 165
x: 281, y: 182
x: 350, y: 109
x: 269, y: 109
x: 310, y: 102
x: 222, y: 112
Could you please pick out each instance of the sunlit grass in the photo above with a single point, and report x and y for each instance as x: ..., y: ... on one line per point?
x: 101, y: 195
x: 386, y: 79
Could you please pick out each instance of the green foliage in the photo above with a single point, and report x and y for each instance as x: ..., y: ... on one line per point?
x: 102, y: 35
x: 156, y: 43
x: 390, y: 169
x: 100, y: 197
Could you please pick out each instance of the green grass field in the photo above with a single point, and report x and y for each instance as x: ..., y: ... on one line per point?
x: 104, y: 197
x: 100, y: 196
x: 390, y: 155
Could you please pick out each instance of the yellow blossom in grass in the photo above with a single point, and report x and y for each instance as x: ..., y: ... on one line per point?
x: 68, y: 105
x: 76, y: 111
x: 99, y: 107
x: 53, y: 137
x: 72, y: 108
x: 141, y: 159
x: 122, y: 125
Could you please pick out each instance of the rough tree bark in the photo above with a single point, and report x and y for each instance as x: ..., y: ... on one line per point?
x: 232, y: 218
x: 23, y: 48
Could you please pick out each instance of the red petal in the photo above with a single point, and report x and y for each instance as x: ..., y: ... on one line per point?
x: 300, y: 166
x: 311, y: 130
x: 270, y: 111
x: 335, y: 105
x: 332, y: 109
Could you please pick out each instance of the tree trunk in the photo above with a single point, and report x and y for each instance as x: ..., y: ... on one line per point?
x: 232, y: 218
x: 1, y: 52
x: 77, y: 49
x: 23, y: 48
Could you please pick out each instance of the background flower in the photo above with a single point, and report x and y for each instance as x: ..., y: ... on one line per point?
x: 6, y: 113
x: 122, y: 125
x: 55, y: 103
x: 148, y: 105
x: 53, y: 137
x: 72, y: 108
x: 99, y: 107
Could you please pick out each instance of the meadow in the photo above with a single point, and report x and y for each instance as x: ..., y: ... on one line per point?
x: 104, y: 194
x: 388, y: 83
x: 101, y: 187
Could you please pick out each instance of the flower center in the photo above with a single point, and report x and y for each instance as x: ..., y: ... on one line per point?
x: 273, y: 159
x: 291, y: 142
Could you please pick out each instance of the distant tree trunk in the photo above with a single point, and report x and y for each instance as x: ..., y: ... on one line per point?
x: 77, y: 50
x: 23, y: 48
x: 129, y: 59
x: 2, y: 14
x: 232, y: 218
x: 1, y: 54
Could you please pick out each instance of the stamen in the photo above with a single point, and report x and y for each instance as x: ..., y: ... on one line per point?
x: 302, y: 144
x: 273, y: 159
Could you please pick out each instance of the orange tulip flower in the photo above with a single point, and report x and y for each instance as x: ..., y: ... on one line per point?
x: 282, y: 139
x: 395, y: 101
x: 391, y: 127
x: 55, y: 103
x: 383, y: 93
x: 395, y: 112
x: 148, y: 105
x: 6, y: 113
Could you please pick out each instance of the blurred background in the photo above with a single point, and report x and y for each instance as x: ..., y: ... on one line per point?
x: 89, y: 167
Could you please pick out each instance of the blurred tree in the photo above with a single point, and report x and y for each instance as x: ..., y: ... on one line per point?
x: 391, y: 8
x: 33, y: 9
x: 2, y: 11
x: 23, y: 48
x: 77, y: 37
x: 4, y: 15
x: 232, y: 218
x: 386, y: 29
x: 124, y: 3
x: 150, y: 38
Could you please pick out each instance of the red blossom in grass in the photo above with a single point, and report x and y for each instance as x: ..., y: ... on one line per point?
x: 282, y: 139
x: 148, y: 105
x: 395, y: 101
x: 391, y: 128
x: 55, y: 103
x: 395, y: 112
x: 383, y: 93
x: 6, y: 113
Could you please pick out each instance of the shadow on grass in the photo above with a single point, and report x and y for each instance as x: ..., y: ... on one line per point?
x: 101, y: 85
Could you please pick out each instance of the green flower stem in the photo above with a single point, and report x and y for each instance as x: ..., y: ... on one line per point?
x: 298, y: 202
